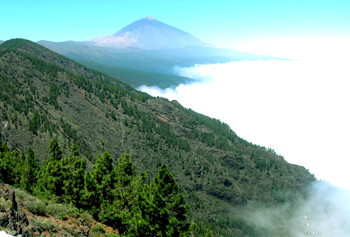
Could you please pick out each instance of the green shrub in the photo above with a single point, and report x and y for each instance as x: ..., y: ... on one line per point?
x: 2, y: 208
x: 87, y: 219
x: 112, y: 235
x: 7, y: 205
x: 63, y: 216
x: 46, y: 225
x: 73, y: 212
x: 99, y: 228
x: 21, y: 195
x: 58, y: 211
x: 37, y: 208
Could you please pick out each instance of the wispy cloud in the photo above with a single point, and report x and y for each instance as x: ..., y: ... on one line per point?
x: 298, y: 108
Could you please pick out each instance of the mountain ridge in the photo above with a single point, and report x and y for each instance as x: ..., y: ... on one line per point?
x: 155, y: 61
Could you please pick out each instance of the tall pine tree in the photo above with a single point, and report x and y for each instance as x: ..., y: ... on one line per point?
x: 30, y: 171
x: 73, y: 168
x: 117, y: 211
x: 162, y: 210
x: 52, y: 176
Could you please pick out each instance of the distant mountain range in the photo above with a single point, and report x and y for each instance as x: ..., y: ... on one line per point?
x: 149, y: 33
x: 147, y: 45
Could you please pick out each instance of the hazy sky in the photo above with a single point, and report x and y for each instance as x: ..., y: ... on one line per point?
x: 299, y: 108
x: 227, y: 23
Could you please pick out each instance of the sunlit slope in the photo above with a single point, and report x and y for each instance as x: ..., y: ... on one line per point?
x: 45, y: 95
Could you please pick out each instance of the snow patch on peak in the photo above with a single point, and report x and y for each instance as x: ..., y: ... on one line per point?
x: 150, y: 18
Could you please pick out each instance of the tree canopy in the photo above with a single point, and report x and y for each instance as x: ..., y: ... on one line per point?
x: 114, y: 194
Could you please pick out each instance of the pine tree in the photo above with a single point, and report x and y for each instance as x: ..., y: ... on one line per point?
x: 117, y: 211
x: 52, y: 175
x: 73, y: 170
x: 55, y: 150
x: 102, y: 173
x: 90, y: 199
x: 30, y: 171
x: 163, y: 207
x: 11, y: 165
x: 98, y: 184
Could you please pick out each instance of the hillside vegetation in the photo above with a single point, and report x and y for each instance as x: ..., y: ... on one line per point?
x: 46, y: 96
x: 114, y: 195
x: 136, y: 78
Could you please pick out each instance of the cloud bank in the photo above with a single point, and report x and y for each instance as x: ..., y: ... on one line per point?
x: 298, y: 108
x: 326, y: 212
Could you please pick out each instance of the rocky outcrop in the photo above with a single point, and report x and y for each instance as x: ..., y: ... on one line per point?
x: 14, y: 221
x: 20, y: 217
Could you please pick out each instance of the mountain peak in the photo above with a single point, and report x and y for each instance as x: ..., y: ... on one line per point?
x: 149, y: 33
x: 149, y: 18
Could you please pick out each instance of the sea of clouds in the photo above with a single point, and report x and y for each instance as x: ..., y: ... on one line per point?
x: 298, y: 108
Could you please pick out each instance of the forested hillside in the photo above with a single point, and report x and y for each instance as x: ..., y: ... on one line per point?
x: 46, y: 96
x: 115, y: 195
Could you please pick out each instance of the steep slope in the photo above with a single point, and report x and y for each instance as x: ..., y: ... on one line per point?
x: 44, y: 95
x: 149, y: 33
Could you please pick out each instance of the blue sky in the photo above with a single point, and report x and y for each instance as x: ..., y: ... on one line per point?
x: 225, y: 23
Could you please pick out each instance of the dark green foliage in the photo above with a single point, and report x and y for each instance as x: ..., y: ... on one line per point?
x: 138, y: 78
x: 54, y: 93
x: 31, y: 171
x: 118, y: 209
x: 52, y: 173
x: 13, y: 44
x: 115, y: 195
x: 99, y: 182
x: 55, y: 151
x: 74, y: 171
x: 34, y: 123
x: 11, y: 166
x: 162, y: 208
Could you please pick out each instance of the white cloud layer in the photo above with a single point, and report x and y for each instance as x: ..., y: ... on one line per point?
x: 298, y: 108
x: 326, y: 212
